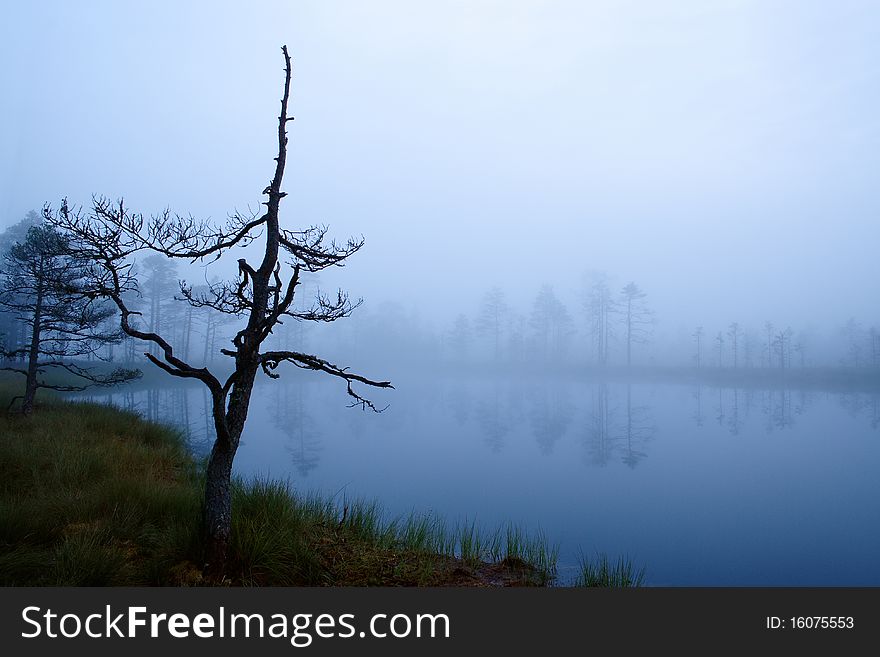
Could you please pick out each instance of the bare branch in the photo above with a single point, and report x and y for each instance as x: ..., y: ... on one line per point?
x: 308, y: 248
x: 271, y: 359
x: 117, y: 376
x: 326, y: 309
x: 222, y: 297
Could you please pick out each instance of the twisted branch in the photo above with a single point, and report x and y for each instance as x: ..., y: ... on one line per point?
x: 270, y: 360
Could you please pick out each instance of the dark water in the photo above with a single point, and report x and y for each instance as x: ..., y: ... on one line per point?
x: 702, y: 486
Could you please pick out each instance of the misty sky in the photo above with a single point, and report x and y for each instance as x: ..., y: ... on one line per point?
x: 723, y: 155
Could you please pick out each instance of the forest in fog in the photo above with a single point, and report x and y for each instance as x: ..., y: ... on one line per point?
x: 656, y: 189
x: 600, y: 323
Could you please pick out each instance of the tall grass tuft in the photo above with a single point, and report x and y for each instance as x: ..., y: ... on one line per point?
x: 270, y: 537
x: 601, y: 572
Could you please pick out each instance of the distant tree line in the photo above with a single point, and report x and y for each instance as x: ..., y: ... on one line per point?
x: 547, y: 332
x: 774, y: 347
x: 611, y: 325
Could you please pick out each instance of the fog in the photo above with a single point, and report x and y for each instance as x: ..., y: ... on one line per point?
x: 721, y: 156
x: 619, y: 263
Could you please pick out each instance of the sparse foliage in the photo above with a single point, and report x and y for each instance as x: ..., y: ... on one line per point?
x: 551, y: 324
x: 600, y: 307
x: 43, y: 283
x: 698, y: 338
x: 109, y: 235
x: 734, y: 332
x: 492, y: 317
x: 636, y: 317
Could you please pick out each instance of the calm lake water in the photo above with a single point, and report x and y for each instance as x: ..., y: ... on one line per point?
x: 703, y: 486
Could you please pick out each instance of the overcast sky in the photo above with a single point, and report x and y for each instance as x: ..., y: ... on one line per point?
x: 724, y: 155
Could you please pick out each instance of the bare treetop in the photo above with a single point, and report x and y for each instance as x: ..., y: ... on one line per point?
x: 110, y: 234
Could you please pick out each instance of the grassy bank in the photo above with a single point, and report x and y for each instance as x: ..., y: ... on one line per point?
x: 92, y: 495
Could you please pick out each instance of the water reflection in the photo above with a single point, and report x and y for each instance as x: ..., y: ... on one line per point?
x: 719, y: 407
x: 292, y: 416
x: 550, y: 413
x: 617, y: 428
x: 618, y: 421
x: 600, y: 435
x: 520, y: 450
x: 457, y: 402
x: 639, y: 430
x: 698, y: 416
x: 734, y: 421
x: 493, y: 418
x: 185, y: 407
x: 779, y: 409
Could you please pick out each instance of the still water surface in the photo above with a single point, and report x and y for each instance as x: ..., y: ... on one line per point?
x: 703, y: 486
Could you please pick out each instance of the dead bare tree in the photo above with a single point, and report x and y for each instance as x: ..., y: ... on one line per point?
x: 109, y: 235
x: 698, y: 338
x: 735, y: 333
x: 636, y: 317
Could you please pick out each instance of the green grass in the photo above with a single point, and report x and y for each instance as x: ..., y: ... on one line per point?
x: 93, y: 495
x: 601, y: 572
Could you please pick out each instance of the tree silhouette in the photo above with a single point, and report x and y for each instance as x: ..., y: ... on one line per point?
x: 782, y: 347
x: 719, y: 340
x: 600, y: 309
x: 748, y: 348
x: 13, y: 333
x: 41, y: 282
x: 109, y: 235
x: 516, y: 338
x: 492, y: 316
x: 854, y: 335
x: 551, y: 324
x: 768, y: 330
x: 158, y: 285
x: 698, y: 338
x: 734, y: 333
x: 636, y: 317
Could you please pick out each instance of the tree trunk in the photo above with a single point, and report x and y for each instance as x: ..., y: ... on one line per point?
x: 30, y: 386
x: 229, y: 423
x: 629, y: 333
x: 207, y: 339
x: 187, y: 331
x: 218, y: 505
x: 212, y: 350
